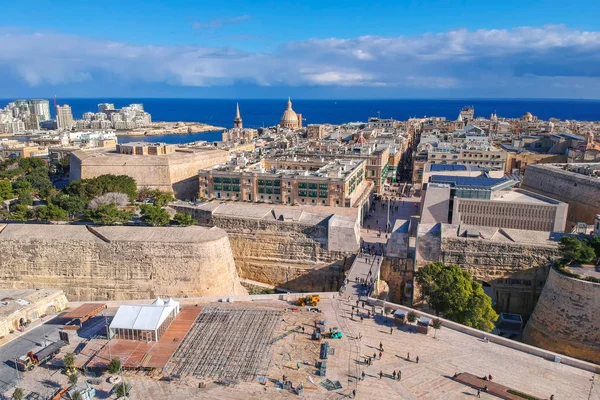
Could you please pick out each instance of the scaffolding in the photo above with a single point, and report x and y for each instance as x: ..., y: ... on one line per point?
x: 232, y: 344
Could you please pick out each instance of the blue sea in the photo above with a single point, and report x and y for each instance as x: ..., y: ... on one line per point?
x: 257, y: 113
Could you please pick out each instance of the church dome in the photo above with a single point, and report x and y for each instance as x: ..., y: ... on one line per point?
x: 289, y: 117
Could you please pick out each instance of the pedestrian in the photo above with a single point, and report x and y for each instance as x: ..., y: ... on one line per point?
x: 551, y: 397
x: 417, y: 359
x: 363, y: 375
x: 283, y: 380
x: 380, y: 345
x: 391, y: 330
x: 361, y: 318
x: 374, y: 356
x: 303, y: 329
x: 399, y: 375
x: 380, y: 355
x: 394, y: 374
x: 380, y: 374
x: 353, y: 393
x: 478, y: 393
x: 408, y: 356
x: 357, y: 303
x: 490, y: 377
x: 298, y: 365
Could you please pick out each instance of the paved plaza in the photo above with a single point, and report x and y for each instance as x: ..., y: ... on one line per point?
x: 431, y: 378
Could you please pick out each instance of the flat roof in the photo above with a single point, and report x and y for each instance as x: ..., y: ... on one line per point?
x: 478, y: 182
x: 521, y: 196
x: 448, y: 167
x: 83, y: 311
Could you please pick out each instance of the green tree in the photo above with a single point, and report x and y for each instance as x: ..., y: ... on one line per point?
x: 6, y: 192
x: 22, y: 185
x: 92, y: 188
x: 573, y: 249
x: 437, y: 325
x: 114, y: 366
x: 74, y: 205
x: 451, y: 291
x: 21, y: 213
x: 154, y: 215
x: 595, y: 244
x: 184, y: 219
x: 411, y: 317
x: 162, y: 199
x: 40, y: 181
x: 69, y: 360
x: 25, y: 198
x: 52, y: 212
x: 122, y: 389
x: 18, y: 394
x: 109, y: 214
x: 73, y: 379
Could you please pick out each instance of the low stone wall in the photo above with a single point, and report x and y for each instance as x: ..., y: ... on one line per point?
x: 566, y: 318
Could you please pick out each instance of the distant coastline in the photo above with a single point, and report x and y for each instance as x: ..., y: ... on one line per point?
x: 170, y: 128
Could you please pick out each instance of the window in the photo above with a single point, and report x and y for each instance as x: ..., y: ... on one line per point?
x: 226, y: 180
x: 277, y: 183
x: 235, y: 181
x: 269, y: 183
x: 312, y: 185
x: 227, y: 188
x: 312, y: 193
x: 277, y: 191
x: 216, y: 179
x: 218, y: 187
x: 323, y: 193
x: 236, y: 188
x: 302, y: 193
x: 261, y: 182
x: 302, y: 185
x: 261, y: 190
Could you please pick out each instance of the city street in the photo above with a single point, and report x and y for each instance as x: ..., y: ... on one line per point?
x: 373, y: 231
x: 32, y: 340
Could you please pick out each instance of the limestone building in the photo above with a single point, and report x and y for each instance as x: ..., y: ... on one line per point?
x: 491, y: 202
x: 290, y: 119
x: 338, y: 183
x: 19, y: 307
x: 156, y: 166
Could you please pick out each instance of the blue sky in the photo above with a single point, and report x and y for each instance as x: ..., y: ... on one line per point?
x: 309, y: 49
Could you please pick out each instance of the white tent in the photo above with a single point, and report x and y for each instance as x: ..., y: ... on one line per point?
x: 145, y: 321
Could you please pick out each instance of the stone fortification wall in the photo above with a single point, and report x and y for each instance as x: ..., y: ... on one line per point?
x: 566, y: 318
x: 581, y: 192
x: 487, y: 260
x: 513, y: 262
x: 175, y: 173
x: 103, y: 263
x: 284, y: 246
x: 291, y: 255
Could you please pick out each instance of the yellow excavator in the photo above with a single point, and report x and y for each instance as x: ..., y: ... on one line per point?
x: 309, y: 300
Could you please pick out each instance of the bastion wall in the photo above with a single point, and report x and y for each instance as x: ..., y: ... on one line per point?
x: 581, y: 192
x: 300, y: 256
x: 110, y: 263
x: 566, y: 318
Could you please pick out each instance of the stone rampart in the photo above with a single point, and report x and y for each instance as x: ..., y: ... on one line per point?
x: 103, y: 263
x: 581, y: 192
x: 284, y: 246
x: 566, y: 318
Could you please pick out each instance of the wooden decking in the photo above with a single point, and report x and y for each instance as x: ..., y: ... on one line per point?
x: 493, y: 388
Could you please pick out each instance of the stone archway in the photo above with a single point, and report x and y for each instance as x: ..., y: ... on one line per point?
x: 50, y: 310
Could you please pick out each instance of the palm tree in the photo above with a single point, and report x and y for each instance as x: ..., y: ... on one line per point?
x: 437, y: 324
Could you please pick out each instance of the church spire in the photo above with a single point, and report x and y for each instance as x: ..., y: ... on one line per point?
x: 289, y: 103
x: 237, y: 122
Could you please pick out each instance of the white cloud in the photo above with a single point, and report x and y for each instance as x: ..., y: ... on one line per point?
x: 555, y: 56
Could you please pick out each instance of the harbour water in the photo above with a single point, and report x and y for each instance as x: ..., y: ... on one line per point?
x: 257, y: 113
